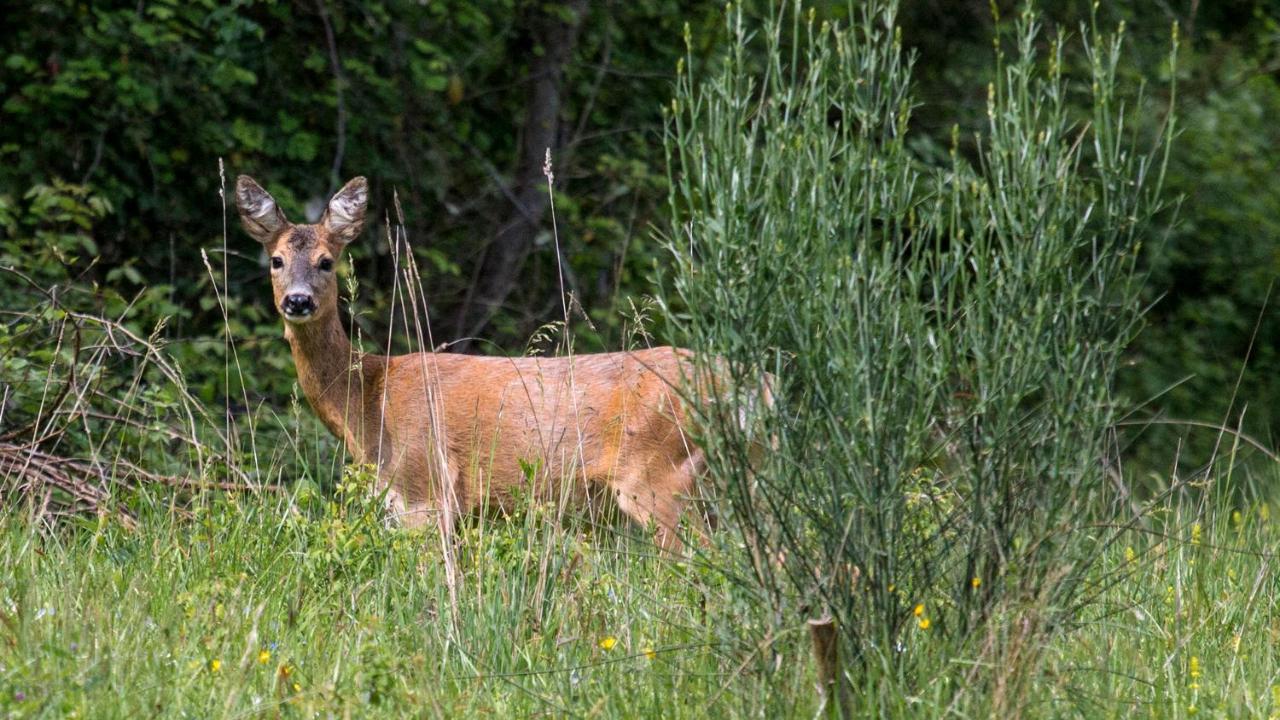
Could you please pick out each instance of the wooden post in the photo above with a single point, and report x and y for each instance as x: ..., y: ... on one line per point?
x: 832, y: 685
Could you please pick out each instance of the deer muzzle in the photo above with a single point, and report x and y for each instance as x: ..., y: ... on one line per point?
x: 297, y: 306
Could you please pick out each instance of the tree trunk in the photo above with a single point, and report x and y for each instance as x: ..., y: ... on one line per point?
x: 555, y: 32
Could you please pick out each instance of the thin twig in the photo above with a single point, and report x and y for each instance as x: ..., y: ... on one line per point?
x: 339, y: 85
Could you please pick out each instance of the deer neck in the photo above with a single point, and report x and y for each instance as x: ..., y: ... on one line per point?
x: 340, y: 382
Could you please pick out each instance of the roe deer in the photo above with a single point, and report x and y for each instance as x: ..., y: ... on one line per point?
x: 447, y: 433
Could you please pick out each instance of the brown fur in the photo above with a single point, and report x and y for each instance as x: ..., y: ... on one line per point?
x: 447, y: 433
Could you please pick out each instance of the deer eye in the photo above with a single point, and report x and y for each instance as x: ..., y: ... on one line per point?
x: 277, y: 262
x: 326, y: 264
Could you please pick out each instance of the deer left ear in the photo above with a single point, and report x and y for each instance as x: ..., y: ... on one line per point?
x: 344, y: 218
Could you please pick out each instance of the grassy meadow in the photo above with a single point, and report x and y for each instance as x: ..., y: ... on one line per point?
x: 267, y: 606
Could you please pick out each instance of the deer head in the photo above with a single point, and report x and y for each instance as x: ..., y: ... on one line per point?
x: 303, y: 256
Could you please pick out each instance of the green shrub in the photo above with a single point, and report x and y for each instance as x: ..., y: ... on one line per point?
x: 944, y: 340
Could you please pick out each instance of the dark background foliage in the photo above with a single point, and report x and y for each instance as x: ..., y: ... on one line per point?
x: 114, y: 116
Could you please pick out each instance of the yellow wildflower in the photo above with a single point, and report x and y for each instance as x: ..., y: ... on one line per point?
x: 650, y: 653
x: 924, y: 623
x: 1130, y: 555
x: 264, y: 656
x: 975, y: 583
x: 297, y: 687
x: 1193, y: 669
x: 607, y: 643
x: 1195, y: 534
x: 919, y: 610
x: 215, y: 665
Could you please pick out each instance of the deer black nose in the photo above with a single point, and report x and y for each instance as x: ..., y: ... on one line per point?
x: 298, y: 305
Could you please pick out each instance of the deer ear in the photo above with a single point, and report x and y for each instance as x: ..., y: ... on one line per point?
x: 259, y: 214
x: 344, y: 219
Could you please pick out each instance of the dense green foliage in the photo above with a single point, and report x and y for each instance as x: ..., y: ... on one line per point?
x: 134, y: 104
x: 139, y: 103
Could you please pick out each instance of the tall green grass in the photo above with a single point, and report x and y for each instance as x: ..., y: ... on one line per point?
x: 302, y: 607
x: 262, y: 607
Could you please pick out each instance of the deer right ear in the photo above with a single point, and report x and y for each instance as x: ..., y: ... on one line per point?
x: 259, y: 214
x: 344, y: 217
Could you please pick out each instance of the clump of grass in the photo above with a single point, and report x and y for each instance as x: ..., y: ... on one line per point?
x: 943, y: 340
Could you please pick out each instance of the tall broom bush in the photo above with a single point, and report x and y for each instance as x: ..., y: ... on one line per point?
x: 942, y: 339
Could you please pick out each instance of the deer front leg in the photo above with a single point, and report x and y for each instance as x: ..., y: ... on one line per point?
x: 394, y: 508
x: 659, y: 496
x: 402, y: 507
x: 422, y: 507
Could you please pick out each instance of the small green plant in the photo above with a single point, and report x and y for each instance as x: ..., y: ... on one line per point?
x: 350, y: 531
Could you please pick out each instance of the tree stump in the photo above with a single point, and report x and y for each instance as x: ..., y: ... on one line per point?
x: 832, y: 685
